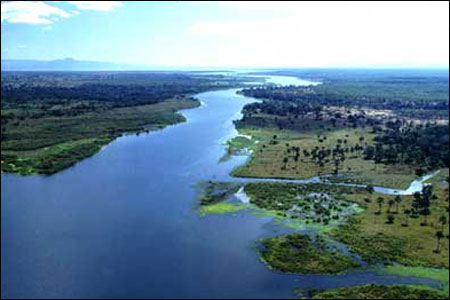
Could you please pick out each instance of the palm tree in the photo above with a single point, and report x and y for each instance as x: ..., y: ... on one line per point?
x: 439, y: 236
x: 390, y: 219
x: 398, y: 200
x: 285, y: 162
x: 337, y: 162
x: 390, y: 203
x: 443, y: 221
x: 380, y: 202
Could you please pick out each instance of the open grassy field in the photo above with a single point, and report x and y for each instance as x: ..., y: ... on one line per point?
x: 274, y: 158
x: 371, y: 235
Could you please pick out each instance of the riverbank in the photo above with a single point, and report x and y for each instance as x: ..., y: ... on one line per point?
x: 398, y: 235
x: 102, y: 127
x: 135, y: 197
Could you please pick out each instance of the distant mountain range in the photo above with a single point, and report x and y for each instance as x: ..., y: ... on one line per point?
x: 67, y: 64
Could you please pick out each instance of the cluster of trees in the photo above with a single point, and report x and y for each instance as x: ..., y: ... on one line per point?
x: 115, y: 95
x: 419, y: 96
x: 315, y: 96
x: 421, y: 204
x: 422, y: 146
x: 40, y: 94
x: 281, y: 108
x: 294, y: 115
x: 398, y: 141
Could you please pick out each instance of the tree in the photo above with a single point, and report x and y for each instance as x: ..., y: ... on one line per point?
x: 337, y: 162
x: 421, y: 203
x: 390, y: 219
x: 380, y: 202
x: 370, y: 189
x: 439, y: 237
x: 443, y: 221
x: 406, y: 212
x: 391, y: 203
x: 415, y: 205
x: 285, y: 162
x: 398, y: 201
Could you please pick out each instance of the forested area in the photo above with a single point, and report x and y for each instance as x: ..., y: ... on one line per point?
x: 406, y: 111
x: 51, y: 120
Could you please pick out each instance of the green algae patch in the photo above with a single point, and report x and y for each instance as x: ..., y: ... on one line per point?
x: 222, y: 208
x: 380, y: 292
x: 300, y: 254
x: 215, y: 198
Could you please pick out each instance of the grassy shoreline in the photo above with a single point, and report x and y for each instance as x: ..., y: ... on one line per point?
x: 440, y: 275
x: 300, y: 254
x: 372, y: 291
x: 54, y: 158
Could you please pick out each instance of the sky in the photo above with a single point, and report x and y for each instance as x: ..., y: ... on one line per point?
x: 230, y: 34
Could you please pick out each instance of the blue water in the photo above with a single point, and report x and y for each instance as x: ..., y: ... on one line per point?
x: 123, y: 223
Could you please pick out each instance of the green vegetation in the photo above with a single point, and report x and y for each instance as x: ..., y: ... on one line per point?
x: 441, y: 275
x: 238, y: 144
x: 51, y: 120
x: 214, y: 196
x: 392, y: 85
x: 355, y: 126
x: 213, y: 192
x: 373, y: 248
x: 49, y: 160
x: 305, y: 153
x: 296, y: 253
x: 308, y: 203
x: 222, y: 208
x: 401, y: 229
x: 47, y: 145
x: 425, y: 147
x: 380, y: 292
x: 381, y: 128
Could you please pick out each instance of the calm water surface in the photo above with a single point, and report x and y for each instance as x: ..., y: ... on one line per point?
x: 123, y: 224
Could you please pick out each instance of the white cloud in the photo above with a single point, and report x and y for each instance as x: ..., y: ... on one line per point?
x: 30, y: 12
x: 325, y: 34
x: 96, y: 5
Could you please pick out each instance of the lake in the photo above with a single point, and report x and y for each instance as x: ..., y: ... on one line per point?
x: 123, y: 223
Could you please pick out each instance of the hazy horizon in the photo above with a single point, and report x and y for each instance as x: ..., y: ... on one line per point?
x: 143, y: 68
